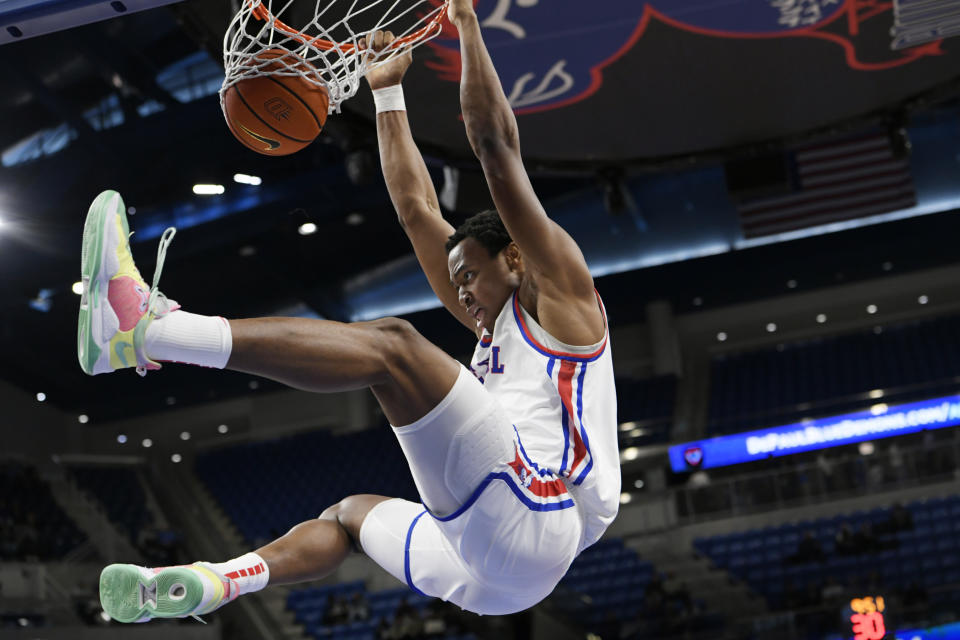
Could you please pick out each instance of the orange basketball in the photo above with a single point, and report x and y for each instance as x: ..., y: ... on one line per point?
x: 276, y: 115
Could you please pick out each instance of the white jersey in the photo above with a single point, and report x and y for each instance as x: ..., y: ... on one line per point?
x: 562, y: 401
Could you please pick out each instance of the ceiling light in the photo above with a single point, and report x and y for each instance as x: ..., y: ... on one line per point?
x: 253, y: 384
x: 791, y: 284
x: 636, y: 433
x: 697, y: 301
x: 771, y: 327
x: 243, y: 178
x: 878, y: 409
x: 867, y: 448
x: 83, y: 418
x: 876, y: 393
x: 132, y: 211
x: 625, y: 498
x: 638, y: 483
x: 176, y: 457
x: 871, y: 308
x: 821, y: 318
x: 208, y: 189
x: 184, y: 435
x: 147, y: 443
x: 307, y: 228
x: 355, y: 219
x: 887, y: 266
x: 630, y: 453
x: 122, y: 439
x: 77, y: 288
x: 41, y: 396
x: 878, y: 330
x: 923, y: 299
x: 223, y: 428
x: 722, y: 336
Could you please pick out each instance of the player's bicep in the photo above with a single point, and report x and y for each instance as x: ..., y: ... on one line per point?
x: 428, y: 233
x: 544, y: 244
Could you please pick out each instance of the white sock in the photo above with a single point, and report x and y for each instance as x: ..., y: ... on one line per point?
x: 186, y: 337
x: 249, y: 571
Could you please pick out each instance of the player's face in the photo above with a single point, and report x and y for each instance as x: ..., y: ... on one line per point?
x: 483, y: 282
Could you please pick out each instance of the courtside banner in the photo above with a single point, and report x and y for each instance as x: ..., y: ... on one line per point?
x: 880, y: 421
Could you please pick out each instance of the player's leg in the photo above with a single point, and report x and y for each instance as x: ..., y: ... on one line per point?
x: 315, y: 548
x: 309, y: 551
x: 123, y: 323
x: 408, y: 374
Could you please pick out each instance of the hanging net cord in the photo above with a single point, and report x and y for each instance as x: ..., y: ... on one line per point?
x: 312, y: 52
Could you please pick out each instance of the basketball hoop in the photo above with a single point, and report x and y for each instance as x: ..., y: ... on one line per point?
x: 332, y: 53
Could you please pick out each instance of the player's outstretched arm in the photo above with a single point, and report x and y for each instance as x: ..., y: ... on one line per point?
x: 411, y: 190
x: 493, y: 135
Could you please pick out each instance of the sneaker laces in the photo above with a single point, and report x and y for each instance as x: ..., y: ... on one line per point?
x: 158, y: 304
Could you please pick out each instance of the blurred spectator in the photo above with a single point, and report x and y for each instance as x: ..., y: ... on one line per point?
x: 875, y: 475
x: 900, y: 520
x: 358, y: 609
x: 864, y: 541
x: 914, y: 595
x: 682, y: 598
x: 384, y: 629
x: 793, y: 596
x: 407, y: 623
x: 336, y: 612
x: 813, y: 596
x: 895, y: 459
x: 826, y: 471
x: 845, y: 543
x: 832, y: 591
x: 435, y: 619
x: 808, y: 550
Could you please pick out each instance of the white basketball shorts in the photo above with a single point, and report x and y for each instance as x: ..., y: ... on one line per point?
x: 491, y: 536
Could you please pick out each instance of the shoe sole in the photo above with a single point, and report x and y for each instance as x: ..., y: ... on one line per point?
x: 95, y: 281
x: 129, y: 596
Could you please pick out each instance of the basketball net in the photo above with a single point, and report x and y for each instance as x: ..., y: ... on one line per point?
x: 329, y: 43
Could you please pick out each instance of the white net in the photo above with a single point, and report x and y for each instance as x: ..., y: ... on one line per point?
x: 325, y: 35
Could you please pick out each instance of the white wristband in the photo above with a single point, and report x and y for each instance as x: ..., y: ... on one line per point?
x: 389, y: 99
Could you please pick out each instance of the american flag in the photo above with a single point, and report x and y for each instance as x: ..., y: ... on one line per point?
x: 833, y: 182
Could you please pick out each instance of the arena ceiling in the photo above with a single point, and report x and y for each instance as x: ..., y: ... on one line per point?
x: 625, y: 94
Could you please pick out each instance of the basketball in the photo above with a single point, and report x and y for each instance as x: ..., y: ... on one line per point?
x: 276, y: 115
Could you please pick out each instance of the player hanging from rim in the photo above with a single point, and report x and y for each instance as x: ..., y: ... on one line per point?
x: 517, y: 465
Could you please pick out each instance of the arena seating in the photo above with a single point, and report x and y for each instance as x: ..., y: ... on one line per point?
x: 783, y: 384
x: 119, y: 491
x: 649, y: 403
x: 32, y: 525
x: 925, y: 553
x: 268, y: 487
x: 614, y: 580
x: 310, y: 605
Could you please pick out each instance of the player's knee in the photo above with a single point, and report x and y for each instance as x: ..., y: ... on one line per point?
x: 350, y: 513
x: 397, y: 340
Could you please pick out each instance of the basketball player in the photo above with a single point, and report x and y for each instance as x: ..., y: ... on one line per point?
x: 515, y: 459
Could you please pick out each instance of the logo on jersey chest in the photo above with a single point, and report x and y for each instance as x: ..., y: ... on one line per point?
x: 495, y: 365
x: 491, y: 364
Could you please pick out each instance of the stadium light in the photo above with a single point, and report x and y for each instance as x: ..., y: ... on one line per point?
x: 208, y: 189
x: 243, y: 178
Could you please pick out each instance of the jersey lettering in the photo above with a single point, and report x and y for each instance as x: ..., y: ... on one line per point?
x: 496, y: 367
